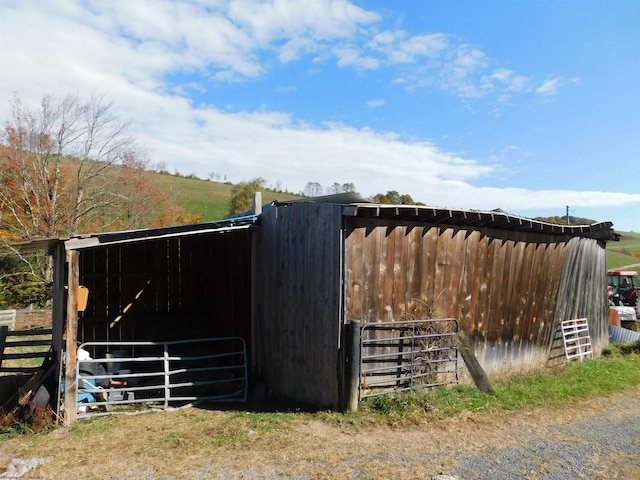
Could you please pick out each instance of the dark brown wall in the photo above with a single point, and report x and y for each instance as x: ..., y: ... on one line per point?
x: 297, y: 301
x: 188, y: 287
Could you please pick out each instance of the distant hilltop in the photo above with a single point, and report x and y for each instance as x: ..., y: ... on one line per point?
x: 563, y: 220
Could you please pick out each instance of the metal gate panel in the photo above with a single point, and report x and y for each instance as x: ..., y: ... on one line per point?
x: 577, y: 342
x: 407, y: 355
x: 162, y: 374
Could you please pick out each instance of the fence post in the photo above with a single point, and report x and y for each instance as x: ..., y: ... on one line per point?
x: 477, y: 373
x: 4, y: 329
x: 167, y: 389
x: 70, y: 380
x: 352, y: 365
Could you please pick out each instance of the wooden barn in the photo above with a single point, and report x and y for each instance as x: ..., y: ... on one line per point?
x: 508, y: 282
x: 326, y: 297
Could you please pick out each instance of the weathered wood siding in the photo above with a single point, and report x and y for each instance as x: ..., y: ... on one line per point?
x: 583, y: 294
x: 297, y: 301
x: 509, y: 290
x: 176, y: 288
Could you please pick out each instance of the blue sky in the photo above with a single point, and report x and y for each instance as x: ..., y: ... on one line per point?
x: 527, y: 106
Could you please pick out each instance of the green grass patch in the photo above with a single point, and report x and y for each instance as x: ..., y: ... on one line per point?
x: 615, y: 260
x: 628, y: 241
x: 576, y: 381
x: 625, y: 252
x: 210, y: 200
x: 92, y: 426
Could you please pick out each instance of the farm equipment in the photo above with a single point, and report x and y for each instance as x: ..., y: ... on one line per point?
x: 623, y: 286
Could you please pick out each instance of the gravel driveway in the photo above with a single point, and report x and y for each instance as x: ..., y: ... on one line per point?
x: 603, y: 445
x: 598, y: 439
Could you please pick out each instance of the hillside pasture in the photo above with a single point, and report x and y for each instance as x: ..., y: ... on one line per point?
x: 210, y: 200
x: 625, y: 253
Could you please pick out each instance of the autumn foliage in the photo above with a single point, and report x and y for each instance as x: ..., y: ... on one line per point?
x: 70, y: 167
x: 67, y: 167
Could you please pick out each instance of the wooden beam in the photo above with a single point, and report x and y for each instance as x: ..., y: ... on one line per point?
x: 477, y: 373
x: 70, y: 385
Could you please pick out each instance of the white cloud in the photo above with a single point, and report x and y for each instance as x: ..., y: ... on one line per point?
x: 397, y: 47
x: 375, y: 103
x: 144, y: 41
x: 550, y: 86
x: 349, y: 56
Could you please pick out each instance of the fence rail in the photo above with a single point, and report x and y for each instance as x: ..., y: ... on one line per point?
x: 8, y: 318
x: 407, y: 355
x: 20, y: 348
x: 161, y: 373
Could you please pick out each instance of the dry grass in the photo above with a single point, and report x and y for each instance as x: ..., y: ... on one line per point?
x: 196, y: 443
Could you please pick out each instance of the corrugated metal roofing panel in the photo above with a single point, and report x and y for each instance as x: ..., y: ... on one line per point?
x: 622, y: 335
x: 88, y: 241
x: 128, y: 236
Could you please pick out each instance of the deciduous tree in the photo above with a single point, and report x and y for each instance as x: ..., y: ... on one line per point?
x: 70, y: 166
x: 242, y: 195
x: 312, y: 189
x: 394, y: 198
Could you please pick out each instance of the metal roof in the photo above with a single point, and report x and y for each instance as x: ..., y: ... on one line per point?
x: 411, y: 213
x: 109, y: 238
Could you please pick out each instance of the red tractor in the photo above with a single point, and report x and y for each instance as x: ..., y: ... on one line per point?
x: 623, y: 286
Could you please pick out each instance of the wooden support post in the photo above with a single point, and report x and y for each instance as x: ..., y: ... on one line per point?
x: 70, y: 384
x: 4, y: 330
x: 257, y: 203
x: 477, y: 373
x: 58, y: 315
x: 59, y: 297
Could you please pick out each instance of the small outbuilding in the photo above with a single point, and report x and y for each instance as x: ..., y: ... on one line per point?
x: 306, y: 297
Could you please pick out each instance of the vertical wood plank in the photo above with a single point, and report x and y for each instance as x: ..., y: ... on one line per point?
x: 354, y: 274
x: 456, y: 280
x: 467, y: 284
x: 414, y: 305
x: 428, y: 268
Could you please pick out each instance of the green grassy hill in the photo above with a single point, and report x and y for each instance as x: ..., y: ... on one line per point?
x: 210, y: 200
x: 625, y: 253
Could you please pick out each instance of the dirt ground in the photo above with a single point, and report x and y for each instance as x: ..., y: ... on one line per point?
x: 198, y: 444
